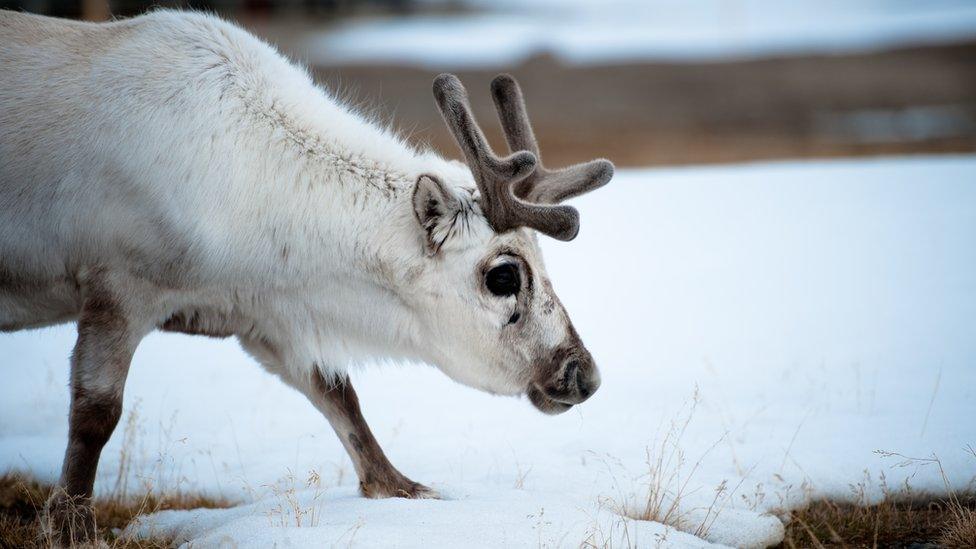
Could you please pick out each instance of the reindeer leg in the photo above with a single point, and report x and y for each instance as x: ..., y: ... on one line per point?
x: 377, y: 476
x: 99, y: 366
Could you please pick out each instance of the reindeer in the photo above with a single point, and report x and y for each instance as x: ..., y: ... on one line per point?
x: 172, y: 172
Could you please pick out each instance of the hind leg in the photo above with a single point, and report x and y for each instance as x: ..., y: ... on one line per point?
x: 107, y: 339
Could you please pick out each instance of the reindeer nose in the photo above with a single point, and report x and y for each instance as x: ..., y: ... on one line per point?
x: 587, y: 381
x: 575, y: 381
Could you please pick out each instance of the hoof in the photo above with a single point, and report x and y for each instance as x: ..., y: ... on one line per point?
x: 401, y: 487
x: 68, y: 521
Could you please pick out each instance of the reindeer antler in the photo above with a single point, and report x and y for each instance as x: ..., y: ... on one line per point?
x: 516, y: 191
x: 543, y: 185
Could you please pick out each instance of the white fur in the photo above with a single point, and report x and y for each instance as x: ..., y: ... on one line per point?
x: 205, y: 172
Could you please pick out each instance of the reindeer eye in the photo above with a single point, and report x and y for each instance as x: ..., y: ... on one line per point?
x: 503, y: 280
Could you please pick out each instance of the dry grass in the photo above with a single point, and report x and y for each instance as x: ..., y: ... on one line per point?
x: 902, y: 518
x: 667, y: 479
x: 960, y: 531
x: 289, y: 510
x: 22, y: 501
x: 894, y: 522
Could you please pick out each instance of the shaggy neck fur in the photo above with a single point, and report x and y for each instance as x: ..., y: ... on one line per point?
x: 351, y: 182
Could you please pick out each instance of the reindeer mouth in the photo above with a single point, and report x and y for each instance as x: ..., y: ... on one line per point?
x: 545, y: 404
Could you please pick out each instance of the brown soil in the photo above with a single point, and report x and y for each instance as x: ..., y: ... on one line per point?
x: 693, y: 113
x: 682, y: 113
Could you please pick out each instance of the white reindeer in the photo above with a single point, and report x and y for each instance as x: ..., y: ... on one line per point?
x: 173, y: 172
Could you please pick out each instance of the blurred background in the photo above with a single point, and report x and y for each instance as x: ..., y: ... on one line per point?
x: 642, y: 82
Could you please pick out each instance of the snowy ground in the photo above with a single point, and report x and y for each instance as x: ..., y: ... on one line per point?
x: 502, y: 34
x: 824, y: 310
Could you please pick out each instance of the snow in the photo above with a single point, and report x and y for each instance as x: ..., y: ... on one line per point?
x: 589, y: 32
x: 897, y: 125
x: 477, y: 517
x: 824, y: 310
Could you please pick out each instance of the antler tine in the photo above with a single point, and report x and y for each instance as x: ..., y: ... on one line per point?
x: 513, y: 115
x: 544, y: 185
x: 452, y: 100
x: 496, y: 176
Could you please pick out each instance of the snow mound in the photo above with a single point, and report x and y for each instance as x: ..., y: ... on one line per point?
x: 742, y: 528
x: 490, y: 518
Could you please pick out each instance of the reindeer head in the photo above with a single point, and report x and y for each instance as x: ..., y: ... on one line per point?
x: 494, y: 320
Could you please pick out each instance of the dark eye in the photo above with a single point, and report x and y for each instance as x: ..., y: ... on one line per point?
x: 503, y: 280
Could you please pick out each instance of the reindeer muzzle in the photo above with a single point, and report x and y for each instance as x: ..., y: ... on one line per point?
x: 573, y: 377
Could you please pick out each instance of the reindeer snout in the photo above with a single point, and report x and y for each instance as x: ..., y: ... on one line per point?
x: 579, y: 380
x: 575, y: 379
x: 568, y: 378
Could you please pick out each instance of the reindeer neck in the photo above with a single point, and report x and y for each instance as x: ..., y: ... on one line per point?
x: 342, y: 183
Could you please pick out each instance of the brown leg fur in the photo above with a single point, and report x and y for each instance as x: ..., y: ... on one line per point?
x: 377, y: 476
x: 99, y: 367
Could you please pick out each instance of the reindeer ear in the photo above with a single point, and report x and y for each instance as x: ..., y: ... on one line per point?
x: 435, y: 205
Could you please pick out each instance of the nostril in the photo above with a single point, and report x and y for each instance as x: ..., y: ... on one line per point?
x: 585, y: 389
x: 575, y: 381
x: 571, y: 373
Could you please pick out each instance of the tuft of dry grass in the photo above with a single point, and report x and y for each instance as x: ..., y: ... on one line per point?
x: 664, y: 467
x: 667, y: 479
x: 22, y: 502
x: 902, y: 518
x: 23, y: 524
x: 960, y: 531
x: 289, y: 511
x: 895, y: 522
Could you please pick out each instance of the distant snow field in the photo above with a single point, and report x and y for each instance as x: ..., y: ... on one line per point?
x: 505, y: 33
x: 824, y: 311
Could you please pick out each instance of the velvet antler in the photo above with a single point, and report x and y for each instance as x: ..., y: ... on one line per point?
x: 543, y: 185
x: 499, y: 178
